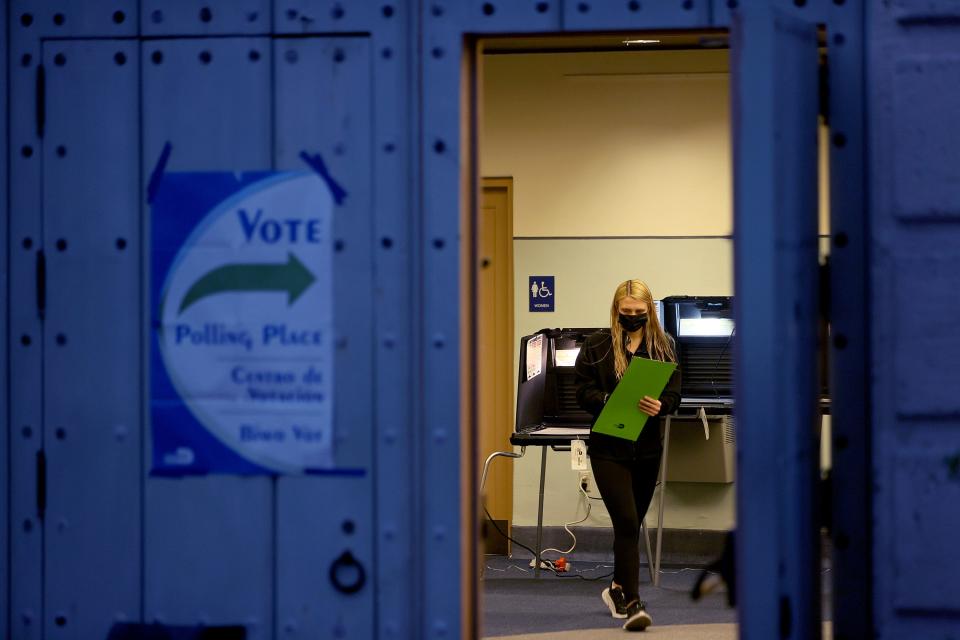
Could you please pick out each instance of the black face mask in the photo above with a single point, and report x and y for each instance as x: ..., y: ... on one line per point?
x: 632, y: 323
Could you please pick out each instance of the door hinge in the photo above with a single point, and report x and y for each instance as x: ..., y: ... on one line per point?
x: 41, y: 483
x: 41, y: 104
x: 41, y: 283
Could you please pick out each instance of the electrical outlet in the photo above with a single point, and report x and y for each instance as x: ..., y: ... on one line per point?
x: 585, y: 482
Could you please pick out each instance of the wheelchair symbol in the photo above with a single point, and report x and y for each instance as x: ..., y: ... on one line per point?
x: 541, y: 291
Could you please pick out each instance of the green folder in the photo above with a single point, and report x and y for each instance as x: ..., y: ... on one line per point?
x: 621, y: 417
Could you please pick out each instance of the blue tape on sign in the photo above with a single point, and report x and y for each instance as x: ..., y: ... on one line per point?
x: 316, y: 163
x: 157, y: 174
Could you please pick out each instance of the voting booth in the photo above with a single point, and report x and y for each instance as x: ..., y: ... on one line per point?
x: 547, y: 386
x: 698, y: 439
x: 704, y: 330
x: 703, y: 448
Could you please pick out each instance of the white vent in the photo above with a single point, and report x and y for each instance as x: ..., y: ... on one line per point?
x: 729, y: 433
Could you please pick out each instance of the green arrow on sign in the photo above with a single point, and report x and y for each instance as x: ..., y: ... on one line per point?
x: 292, y: 277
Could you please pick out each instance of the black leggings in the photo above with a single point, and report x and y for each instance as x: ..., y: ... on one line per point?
x: 627, y: 488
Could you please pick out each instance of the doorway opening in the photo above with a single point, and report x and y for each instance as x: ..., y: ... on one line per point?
x: 614, y: 155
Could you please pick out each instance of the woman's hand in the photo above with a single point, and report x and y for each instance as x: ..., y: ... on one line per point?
x: 649, y: 406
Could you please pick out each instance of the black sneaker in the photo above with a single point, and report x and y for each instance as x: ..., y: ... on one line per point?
x: 615, y: 600
x: 637, y: 617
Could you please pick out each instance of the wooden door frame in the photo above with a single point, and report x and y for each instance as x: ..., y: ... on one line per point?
x: 504, y: 183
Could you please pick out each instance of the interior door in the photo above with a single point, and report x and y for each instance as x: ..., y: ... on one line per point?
x: 775, y: 87
x: 495, y: 401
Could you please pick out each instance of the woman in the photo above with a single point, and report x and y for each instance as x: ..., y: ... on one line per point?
x: 625, y: 471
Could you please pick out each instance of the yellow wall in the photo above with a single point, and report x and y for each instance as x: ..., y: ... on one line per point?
x: 622, y: 168
x: 611, y: 144
x: 625, y: 156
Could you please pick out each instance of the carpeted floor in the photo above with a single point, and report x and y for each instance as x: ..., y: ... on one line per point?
x: 517, y: 606
x: 515, y: 603
x: 674, y: 632
x: 727, y: 631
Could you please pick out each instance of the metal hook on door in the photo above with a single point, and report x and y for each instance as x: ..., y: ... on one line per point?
x: 344, y: 565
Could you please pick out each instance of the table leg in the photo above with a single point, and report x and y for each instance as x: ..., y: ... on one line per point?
x: 646, y: 538
x: 663, y: 489
x: 543, y: 476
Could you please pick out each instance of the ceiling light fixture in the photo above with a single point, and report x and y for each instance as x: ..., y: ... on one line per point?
x: 630, y: 42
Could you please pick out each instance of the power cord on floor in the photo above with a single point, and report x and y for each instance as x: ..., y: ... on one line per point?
x: 501, y: 532
x: 577, y: 575
x: 566, y: 526
x: 548, y: 564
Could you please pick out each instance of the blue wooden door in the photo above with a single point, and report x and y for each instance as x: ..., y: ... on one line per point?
x: 775, y: 91
x: 218, y: 529
x: 261, y: 549
x: 113, y: 543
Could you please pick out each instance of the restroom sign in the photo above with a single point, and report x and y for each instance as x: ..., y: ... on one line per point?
x: 242, y: 317
x: 542, y: 293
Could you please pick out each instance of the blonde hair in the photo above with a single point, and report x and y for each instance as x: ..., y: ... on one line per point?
x: 658, y: 344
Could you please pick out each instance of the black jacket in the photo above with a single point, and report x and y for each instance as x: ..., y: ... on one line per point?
x: 596, y: 378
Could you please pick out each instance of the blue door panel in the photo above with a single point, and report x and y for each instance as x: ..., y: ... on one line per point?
x: 319, y: 521
x: 5, y: 432
x: 25, y: 345
x: 322, y: 108
x: 396, y: 338
x: 333, y: 16
x: 502, y: 16
x: 620, y: 14
x: 210, y: 99
x: 92, y: 332
x: 209, y: 552
x: 74, y: 18
x: 437, y: 437
x: 849, y: 379
x: 775, y: 88
x: 836, y: 14
x: 206, y: 18
x: 721, y: 12
x: 210, y: 536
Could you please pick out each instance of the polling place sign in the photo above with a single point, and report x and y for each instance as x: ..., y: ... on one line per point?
x: 241, y: 353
